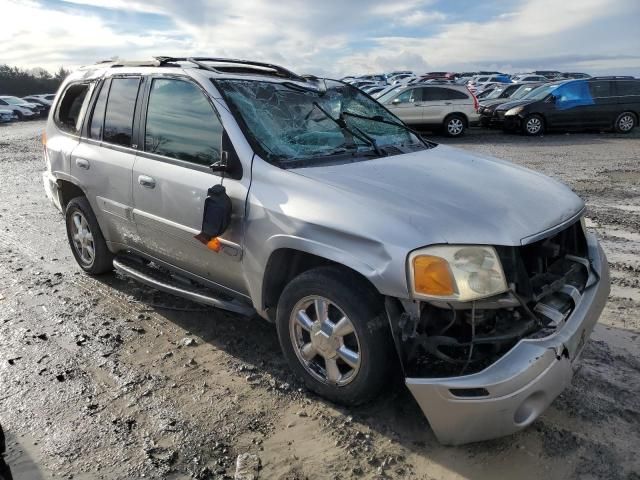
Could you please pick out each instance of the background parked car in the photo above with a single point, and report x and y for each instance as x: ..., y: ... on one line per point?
x: 22, y: 109
x: 451, y: 107
x: 528, y: 78
x: 44, y: 104
x: 488, y: 107
x: 7, y: 115
x: 599, y: 102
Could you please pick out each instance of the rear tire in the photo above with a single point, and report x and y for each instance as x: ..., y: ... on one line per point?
x: 85, y: 238
x: 625, y: 122
x: 334, y: 333
x: 454, y: 125
x: 533, y: 125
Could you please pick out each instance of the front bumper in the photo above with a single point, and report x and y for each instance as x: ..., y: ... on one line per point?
x: 510, y: 394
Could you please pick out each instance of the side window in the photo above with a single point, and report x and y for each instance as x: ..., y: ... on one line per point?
x: 181, y: 123
x: 73, y: 103
x: 600, y: 89
x: 97, y: 118
x: 573, y: 94
x: 118, y: 119
x: 2, y: 102
x: 407, y: 97
x: 628, y: 87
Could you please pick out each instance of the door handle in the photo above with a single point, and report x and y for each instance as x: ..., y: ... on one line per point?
x: 417, y: 104
x: 82, y: 163
x: 147, y: 182
x: 448, y: 103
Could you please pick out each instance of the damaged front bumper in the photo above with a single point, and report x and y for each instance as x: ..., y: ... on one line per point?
x: 511, y: 393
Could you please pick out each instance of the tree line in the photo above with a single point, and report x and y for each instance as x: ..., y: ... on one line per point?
x: 18, y: 82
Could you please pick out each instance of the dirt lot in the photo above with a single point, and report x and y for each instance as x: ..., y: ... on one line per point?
x: 103, y: 378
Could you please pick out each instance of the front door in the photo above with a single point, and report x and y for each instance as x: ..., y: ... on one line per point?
x: 572, y: 107
x: 408, y: 106
x: 182, y: 137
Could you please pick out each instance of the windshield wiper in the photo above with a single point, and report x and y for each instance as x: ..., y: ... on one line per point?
x: 357, y: 133
x: 379, y: 119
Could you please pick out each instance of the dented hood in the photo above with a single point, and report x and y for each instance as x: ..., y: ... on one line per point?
x: 449, y: 195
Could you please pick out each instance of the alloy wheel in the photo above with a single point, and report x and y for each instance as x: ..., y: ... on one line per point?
x: 534, y: 125
x: 325, y: 340
x: 82, y: 238
x: 455, y: 127
x: 626, y: 123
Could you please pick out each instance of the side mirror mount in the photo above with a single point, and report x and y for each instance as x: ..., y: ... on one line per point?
x: 229, y: 164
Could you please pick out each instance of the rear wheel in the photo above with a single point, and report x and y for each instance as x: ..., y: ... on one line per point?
x: 334, y: 334
x: 625, y: 122
x: 85, y: 238
x: 454, y: 125
x: 533, y: 125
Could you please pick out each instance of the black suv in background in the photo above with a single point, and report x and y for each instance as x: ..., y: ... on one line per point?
x: 598, y: 103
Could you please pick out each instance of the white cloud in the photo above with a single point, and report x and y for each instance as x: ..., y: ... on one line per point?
x: 332, y: 37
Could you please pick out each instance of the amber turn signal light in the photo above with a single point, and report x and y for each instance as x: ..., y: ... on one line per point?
x: 432, y: 276
x: 214, y: 244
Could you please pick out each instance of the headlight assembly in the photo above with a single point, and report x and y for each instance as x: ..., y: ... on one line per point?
x: 456, y: 272
x: 514, y: 111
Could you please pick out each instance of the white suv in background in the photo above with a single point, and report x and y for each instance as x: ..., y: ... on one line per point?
x: 450, y: 107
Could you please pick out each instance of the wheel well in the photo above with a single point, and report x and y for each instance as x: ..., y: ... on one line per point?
x: 458, y: 114
x: 635, y: 114
x: 68, y: 191
x: 284, y: 265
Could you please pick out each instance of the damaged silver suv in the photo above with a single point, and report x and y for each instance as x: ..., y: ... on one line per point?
x: 245, y: 186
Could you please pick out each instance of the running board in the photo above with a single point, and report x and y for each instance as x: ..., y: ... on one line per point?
x: 153, y: 277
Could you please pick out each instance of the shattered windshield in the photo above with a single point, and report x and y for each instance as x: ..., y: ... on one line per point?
x: 291, y: 122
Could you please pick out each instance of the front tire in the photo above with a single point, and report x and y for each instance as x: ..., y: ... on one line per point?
x: 334, y: 334
x: 85, y: 238
x: 533, y: 125
x: 625, y: 122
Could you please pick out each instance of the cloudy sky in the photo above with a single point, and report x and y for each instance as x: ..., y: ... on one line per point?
x: 331, y: 37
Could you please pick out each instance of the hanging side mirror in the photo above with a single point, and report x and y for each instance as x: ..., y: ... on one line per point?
x: 217, y: 214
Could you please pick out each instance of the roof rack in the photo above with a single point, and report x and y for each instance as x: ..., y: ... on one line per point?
x: 613, y: 77
x: 200, y: 62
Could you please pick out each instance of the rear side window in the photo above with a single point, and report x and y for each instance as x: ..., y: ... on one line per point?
x: 600, y: 89
x: 437, y: 93
x: 628, y: 87
x: 118, y: 119
x: 181, y: 123
x: 97, y: 119
x: 72, y: 106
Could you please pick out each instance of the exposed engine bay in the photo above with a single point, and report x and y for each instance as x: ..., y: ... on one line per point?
x: 546, y: 280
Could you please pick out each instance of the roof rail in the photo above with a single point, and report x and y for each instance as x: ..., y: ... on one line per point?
x: 200, y: 62
x: 614, y: 77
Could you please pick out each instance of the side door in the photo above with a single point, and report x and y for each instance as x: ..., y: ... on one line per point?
x: 435, y: 105
x: 103, y: 160
x: 567, y: 106
x: 408, y: 106
x: 181, y: 136
x: 605, y: 109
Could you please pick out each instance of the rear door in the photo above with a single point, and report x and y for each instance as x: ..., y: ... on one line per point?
x: 604, y: 111
x: 436, y: 104
x: 182, y: 136
x: 103, y: 160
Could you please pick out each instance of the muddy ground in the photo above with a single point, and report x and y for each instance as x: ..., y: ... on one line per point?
x: 104, y: 378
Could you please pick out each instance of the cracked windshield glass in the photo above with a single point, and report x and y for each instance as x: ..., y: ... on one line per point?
x: 292, y: 122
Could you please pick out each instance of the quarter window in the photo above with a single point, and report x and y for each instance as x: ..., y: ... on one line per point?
x: 628, y: 87
x: 118, y: 119
x: 72, y: 106
x: 181, y: 123
x: 439, y: 93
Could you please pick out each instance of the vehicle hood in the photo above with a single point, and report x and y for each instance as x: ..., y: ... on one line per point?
x: 513, y: 103
x: 447, y: 195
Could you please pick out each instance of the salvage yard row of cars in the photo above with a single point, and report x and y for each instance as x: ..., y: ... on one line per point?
x: 530, y: 103
x: 25, y: 108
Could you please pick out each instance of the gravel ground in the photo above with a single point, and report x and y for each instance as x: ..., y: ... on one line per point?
x: 104, y: 378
